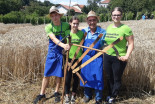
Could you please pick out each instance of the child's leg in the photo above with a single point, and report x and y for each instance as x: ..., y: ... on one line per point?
x: 68, y: 82
x: 58, y: 81
x: 45, y: 82
x: 56, y: 94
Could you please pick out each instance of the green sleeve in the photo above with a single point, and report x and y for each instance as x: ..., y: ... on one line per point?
x: 48, y: 29
x: 128, y: 31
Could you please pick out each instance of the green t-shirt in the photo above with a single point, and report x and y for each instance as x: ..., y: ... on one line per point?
x: 113, y: 34
x: 57, y: 30
x: 76, y: 39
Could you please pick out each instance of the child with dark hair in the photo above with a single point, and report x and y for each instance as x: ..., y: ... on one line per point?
x: 76, y: 37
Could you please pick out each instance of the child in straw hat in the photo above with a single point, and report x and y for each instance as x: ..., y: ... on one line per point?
x: 53, y: 66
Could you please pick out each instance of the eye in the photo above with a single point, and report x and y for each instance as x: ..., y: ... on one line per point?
x: 118, y: 15
x: 75, y: 23
x: 92, y: 20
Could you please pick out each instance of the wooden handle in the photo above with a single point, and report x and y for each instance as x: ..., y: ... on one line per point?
x: 65, y: 71
x: 89, y: 48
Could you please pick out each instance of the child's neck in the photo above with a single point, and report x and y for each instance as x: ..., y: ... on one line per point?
x: 117, y: 24
x: 56, y: 23
x: 74, y: 31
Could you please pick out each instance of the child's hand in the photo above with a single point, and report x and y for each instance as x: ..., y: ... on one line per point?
x: 66, y: 47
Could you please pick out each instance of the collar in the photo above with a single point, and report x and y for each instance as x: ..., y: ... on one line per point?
x: 97, y: 30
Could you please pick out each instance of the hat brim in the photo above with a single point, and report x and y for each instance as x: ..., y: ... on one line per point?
x: 61, y: 14
x: 98, y: 18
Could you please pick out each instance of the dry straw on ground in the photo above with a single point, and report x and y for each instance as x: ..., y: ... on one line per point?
x: 23, y: 51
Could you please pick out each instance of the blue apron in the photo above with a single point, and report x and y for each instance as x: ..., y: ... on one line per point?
x: 54, y: 60
x: 93, y: 72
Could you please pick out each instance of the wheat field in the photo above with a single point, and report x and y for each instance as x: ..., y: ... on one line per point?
x: 23, y: 50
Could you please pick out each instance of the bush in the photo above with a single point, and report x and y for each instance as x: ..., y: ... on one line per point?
x: 10, y: 18
x: 153, y: 13
x: 41, y: 20
x: 1, y: 18
x: 101, y: 17
x: 13, y: 17
x: 139, y: 15
x: 34, y: 21
x: 64, y: 18
x: 47, y: 20
x: 129, y: 16
x: 82, y: 18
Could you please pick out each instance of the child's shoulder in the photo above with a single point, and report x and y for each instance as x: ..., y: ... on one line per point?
x: 65, y: 23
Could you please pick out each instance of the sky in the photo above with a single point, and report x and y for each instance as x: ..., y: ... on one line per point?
x: 66, y: 2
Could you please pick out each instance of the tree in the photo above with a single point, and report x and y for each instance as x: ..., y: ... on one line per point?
x: 102, y: 10
x: 26, y: 2
x: 7, y: 6
x: 132, y: 5
x: 71, y: 12
x: 93, y: 4
x: 85, y: 10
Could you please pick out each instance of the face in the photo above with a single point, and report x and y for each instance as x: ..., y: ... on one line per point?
x: 55, y: 17
x: 116, y: 16
x: 74, y: 24
x: 92, y: 22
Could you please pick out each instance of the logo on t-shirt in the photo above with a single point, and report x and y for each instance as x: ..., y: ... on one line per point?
x: 109, y: 35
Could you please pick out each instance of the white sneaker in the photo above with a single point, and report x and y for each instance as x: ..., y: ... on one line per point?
x: 67, y: 100
x: 111, y: 100
x: 73, y: 100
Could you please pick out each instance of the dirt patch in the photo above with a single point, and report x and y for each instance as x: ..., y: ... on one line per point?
x: 20, y: 92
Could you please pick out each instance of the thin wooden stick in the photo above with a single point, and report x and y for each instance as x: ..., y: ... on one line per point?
x: 65, y: 71
x: 89, y: 48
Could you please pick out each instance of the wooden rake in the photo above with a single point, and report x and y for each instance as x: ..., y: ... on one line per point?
x: 85, y: 53
x: 97, y: 55
x: 78, y: 61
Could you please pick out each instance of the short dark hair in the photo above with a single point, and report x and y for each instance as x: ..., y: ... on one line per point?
x: 117, y: 9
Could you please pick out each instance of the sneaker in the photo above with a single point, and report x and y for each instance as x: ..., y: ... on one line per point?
x: 111, y: 100
x: 67, y: 100
x: 98, y: 101
x: 107, y: 99
x: 57, y: 97
x: 73, y: 100
x: 39, y: 98
x: 86, y: 99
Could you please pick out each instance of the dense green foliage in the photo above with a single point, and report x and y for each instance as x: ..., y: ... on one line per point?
x: 36, y: 12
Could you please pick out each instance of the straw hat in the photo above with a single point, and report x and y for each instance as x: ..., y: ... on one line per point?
x: 92, y: 14
x: 54, y: 9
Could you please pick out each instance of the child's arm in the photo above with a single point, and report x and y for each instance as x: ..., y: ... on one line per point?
x: 56, y: 41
